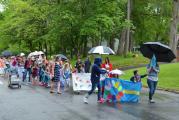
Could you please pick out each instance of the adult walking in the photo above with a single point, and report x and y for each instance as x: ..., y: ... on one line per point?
x: 95, y: 79
x: 57, y: 76
x: 79, y: 65
x: 27, y: 67
x: 87, y: 65
x: 152, y: 80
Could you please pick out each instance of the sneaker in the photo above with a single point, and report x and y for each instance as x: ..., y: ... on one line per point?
x: 51, y: 91
x: 29, y: 83
x: 87, y: 96
x: 151, y: 101
x: 101, y: 100
x: 48, y: 86
x: 59, y: 93
x: 85, y: 100
x: 40, y: 84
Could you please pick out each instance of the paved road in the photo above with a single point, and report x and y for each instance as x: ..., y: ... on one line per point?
x: 36, y: 103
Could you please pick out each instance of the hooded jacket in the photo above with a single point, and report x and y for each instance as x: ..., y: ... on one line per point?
x: 96, y: 70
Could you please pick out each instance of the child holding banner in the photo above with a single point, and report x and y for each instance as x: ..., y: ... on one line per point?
x: 95, y: 80
x: 137, y: 77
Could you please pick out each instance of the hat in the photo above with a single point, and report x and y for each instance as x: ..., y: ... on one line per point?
x: 98, y: 61
x: 22, y: 54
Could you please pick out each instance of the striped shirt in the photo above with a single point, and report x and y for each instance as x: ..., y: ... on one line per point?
x: 153, y: 73
x: 57, y: 70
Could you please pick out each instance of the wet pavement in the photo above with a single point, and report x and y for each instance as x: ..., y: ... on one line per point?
x: 36, y: 103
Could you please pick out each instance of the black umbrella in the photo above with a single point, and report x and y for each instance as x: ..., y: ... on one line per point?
x: 62, y: 57
x: 162, y: 52
x: 6, y: 53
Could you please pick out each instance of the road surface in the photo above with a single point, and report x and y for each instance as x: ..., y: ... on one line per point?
x: 36, y: 103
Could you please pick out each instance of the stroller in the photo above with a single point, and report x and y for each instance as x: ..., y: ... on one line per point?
x: 14, y: 79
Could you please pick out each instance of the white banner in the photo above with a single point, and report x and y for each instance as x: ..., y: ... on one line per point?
x: 81, y: 81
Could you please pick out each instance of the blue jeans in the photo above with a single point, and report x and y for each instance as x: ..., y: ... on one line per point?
x: 152, y: 87
x: 41, y: 72
x: 46, y: 78
x: 28, y: 70
x: 94, y: 84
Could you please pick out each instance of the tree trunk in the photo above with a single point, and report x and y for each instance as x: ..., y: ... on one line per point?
x: 85, y: 47
x: 131, y: 43
x: 126, y: 50
x: 50, y: 49
x: 173, y: 27
x: 20, y: 46
x: 122, y: 42
x: 111, y: 42
x: 46, y: 48
x: 71, y: 53
x: 30, y: 45
x: 39, y: 46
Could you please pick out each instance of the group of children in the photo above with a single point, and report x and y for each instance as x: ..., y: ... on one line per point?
x: 39, y: 71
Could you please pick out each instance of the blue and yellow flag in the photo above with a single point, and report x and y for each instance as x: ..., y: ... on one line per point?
x: 131, y: 91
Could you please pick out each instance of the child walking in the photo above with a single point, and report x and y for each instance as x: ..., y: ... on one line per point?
x: 34, y: 74
x: 66, y: 74
x: 137, y: 77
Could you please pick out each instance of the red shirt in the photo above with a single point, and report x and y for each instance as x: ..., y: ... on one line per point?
x: 107, y: 67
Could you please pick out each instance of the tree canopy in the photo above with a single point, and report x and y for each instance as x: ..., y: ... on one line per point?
x: 68, y: 26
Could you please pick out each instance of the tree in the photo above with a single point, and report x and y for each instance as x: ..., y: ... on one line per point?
x: 128, y: 28
x: 151, y: 20
x: 67, y: 26
x: 174, y: 26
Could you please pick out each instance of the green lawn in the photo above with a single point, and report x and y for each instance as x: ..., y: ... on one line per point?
x: 121, y: 61
x: 168, y: 76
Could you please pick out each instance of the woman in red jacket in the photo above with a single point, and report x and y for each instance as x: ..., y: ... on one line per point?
x: 107, y: 65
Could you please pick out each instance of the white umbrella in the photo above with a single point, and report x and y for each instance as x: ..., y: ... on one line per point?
x: 40, y: 52
x: 116, y: 71
x: 101, y: 50
x: 30, y: 55
x: 33, y: 54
